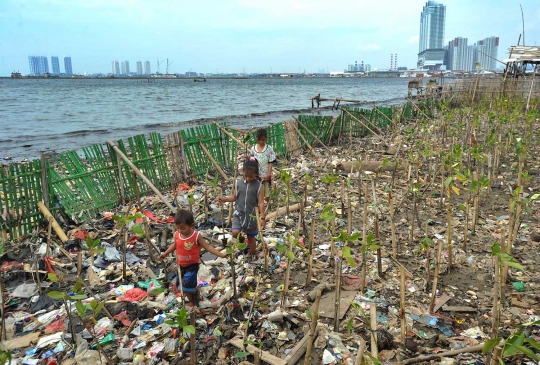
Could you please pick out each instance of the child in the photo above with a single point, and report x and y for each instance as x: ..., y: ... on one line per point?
x: 265, y: 155
x: 188, y: 244
x: 248, y: 196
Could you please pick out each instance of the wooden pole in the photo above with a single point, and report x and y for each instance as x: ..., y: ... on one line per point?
x: 49, y: 234
x: 3, y: 335
x: 304, y: 139
x: 466, y: 228
x: 495, y: 309
x: 120, y: 178
x: 147, y: 238
x: 265, y: 250
x: 183, y: 154
x: 124, y: 256
x: 311, y: 243
x: 44, y: 181
x: 392, y: 225
x: 287, y: 274
x: 233, y: 274
x: 373, y: 325
x: 312, y: 328
x: 402, y: 305
x: 231, y: 135
x: 435, y: 277
x: 282, y: 210
x: 337, y: 299
x: 364, y: 240
x: 216, y: 165
x: 366, y: 126
x: 360, y: 356
x: 317, y: 139
x: 233, y: 189
x: 141, y: 175
x: 57, y: 229
x: 193, y: 356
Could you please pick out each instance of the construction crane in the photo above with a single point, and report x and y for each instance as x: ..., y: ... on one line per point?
x: 158, y: 63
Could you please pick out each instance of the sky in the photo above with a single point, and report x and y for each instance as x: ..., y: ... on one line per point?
x: 235, y: 36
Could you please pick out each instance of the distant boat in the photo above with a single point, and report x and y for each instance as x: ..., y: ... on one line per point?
x: 199, y: 80
x: 16, y: 75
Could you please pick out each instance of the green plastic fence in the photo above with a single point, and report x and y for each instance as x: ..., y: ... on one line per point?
x: 379, y: 117
x: 320, y: 126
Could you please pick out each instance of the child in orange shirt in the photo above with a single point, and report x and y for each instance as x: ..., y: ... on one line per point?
x: 187, y: 243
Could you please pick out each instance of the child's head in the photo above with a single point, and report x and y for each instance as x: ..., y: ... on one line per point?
x: 250, y: 170
x: 184, y: 222
x: 262, y: 136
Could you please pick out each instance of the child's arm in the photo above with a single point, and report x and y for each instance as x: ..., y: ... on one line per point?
x: 214, y: 251
x: 230, y: 198
x: 269, y: 176
x: 168, y: 251
x: 262, y: 213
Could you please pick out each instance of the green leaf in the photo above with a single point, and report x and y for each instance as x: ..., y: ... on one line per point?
x: 290, y: 255
x: 490, y: 345
x: 81, y: 309
x: 55, y: 295
x: 515, y: 265
x: 188, y: 329
x: 495, y: 249
x: 98, y: 250
x: 78, y: 285
x: 138, y: 229
x: 374, y: 359
x: 448, y: 181
x: 348, y: 256
x: 535, y: 196
x: 99, y: 308
x: 527, y: 351
x: 327, y: 209
x: 515, y: 339
x: 241, y: 354
x: 182, y: 315
x: 355, y: 237
x: 281, y: 247
x: 350, y: 324
x: 533, y: 343
x: 342, y: 237
x: 78, y: 297
x: 157, y: 291
x: 241, y: 246
x: 535, y: 323
x: 52, y: 277
x: 250, y: 342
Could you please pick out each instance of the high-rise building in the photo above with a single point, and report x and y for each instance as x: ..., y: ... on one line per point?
x: 461, y: 57
x: 488, y: 49
x: 67, y: 66
x: 39, y: 65
x: 125, y: 68
x: 432, y: 22
x: 139, y: 68
x: 115, y: 68
x: 55, y: 65
x: 147, y: 68
x: 367, y: 67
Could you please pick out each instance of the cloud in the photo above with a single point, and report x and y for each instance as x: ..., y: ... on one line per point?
x: 414, y: 39
x: 368, y: 47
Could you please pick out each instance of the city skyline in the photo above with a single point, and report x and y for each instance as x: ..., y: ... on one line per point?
x: 241, y: 35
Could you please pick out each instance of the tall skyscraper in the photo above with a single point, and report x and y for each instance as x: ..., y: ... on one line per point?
x: 139, y: 68
x: 147, y: 68
x: 457, y: 55
x: 488, y: 49
x: 55, y: 65
x: 39, y: 65
x: 67, y: 66
x: 432, y: 22
x: 115, y: 68
x: 125, y: 68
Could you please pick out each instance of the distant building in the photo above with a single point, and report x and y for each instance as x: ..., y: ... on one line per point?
x: 488, y: 49
x: 39, y: 65
x: 115, y: 68
x: 125, y: 68
x: 55, y: 65
x: 147, y: 68
x: 139, y: 68
x: 432, y: 22
x: 67, y: 66
x: 461, y: 56
x: 367, y: 67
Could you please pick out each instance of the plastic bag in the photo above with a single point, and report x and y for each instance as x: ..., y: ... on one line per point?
x: 85, y: 356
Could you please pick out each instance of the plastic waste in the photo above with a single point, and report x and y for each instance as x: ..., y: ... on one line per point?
x: 275, y: 316
x: 85, y: 356
x: 518, y: 286
x: 328, y: 358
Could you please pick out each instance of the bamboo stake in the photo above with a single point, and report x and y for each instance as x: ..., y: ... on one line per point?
x: 311, y: 244
x: 124, y: 256
x: 49, y: 232
x: 402, y: 305
x: 392, y: 225
x: 495, y: 309
x: 216, y: 165
x: 337, y: 298
x: 72, y: 328
x: 233, y: 189
x: 263, y: 243
x: 37, y: 278
x: 181, y: 286
x: 287, y: 275
x: 360, y: 355
x: 120, y: 178
x: 231, y: 136
x: 503, y: 270
x: 141, y: 175
x: 379, y: 253
x: 57, y: 229
x: 373, y: 329
x: 364, y: 241
x: 147, y: 239
x: 449, y: 232
x: 496, y: 356
x: 466, y: 228
x: 44, y: 181
x: 317, y: 139
x: 304, y: 139
x: 3, y: 335
x: 233, y: 275
x: 183, y: 154
x: 136, y: 186
x: 435, y: 277
x: 312, y: 328
x: 369, y: 129
x: 193, y: 356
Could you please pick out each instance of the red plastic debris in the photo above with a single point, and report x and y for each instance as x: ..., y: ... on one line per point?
x: 183, y: 187
x: 82, y: 235
x: 56, y: 326
x: 11, y: 265
x: 123, y: 317
x: 133, y: 295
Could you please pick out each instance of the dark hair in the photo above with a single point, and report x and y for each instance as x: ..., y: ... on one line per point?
x: 261, y: 133
x: 184, y: 217
x: 251, y: 165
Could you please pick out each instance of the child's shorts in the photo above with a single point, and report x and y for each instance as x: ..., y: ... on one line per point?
x: 189, y: 278
x: 237, y: 226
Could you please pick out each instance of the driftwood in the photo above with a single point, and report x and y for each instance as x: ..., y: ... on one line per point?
x: 418, y: 359
x: 374, y: 166
x: 319, y: 288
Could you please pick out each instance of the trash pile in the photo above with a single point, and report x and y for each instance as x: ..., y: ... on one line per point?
x: 102, y: 297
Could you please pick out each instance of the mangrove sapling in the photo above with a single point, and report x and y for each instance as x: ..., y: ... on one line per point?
x: 314, y: 316
x: 327, y: 215
x: 426, y: 245
x: 291, y: 239
x: 435, y: 276
x: 232, y: 248
x: 94, y: 248
x: 180, y: 320
x: 285, y: 178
